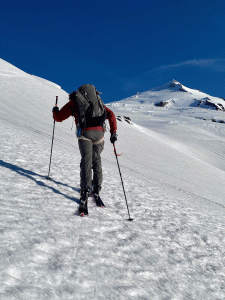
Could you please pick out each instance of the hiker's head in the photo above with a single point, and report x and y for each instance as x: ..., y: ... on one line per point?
x: 72, y: 96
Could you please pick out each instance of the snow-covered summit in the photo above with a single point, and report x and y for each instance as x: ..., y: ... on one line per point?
x: 173, y: 84
x: 173, y: 94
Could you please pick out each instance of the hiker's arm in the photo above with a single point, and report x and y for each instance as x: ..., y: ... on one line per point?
x: 64, y: 113
x: 112, y: 120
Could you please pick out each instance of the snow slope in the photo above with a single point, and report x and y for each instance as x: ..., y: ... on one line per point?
x: 173, y: 171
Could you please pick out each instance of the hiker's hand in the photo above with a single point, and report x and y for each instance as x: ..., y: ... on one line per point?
x: 55, y: 109
x: 113, y: 137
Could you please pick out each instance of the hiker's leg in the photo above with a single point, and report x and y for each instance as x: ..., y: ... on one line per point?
x: 86, y: 163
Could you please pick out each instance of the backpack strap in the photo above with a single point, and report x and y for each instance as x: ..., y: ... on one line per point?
x: 82, y: 105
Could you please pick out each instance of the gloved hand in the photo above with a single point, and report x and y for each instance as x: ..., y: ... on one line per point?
x: 113, y: 137
x: 55, y: 108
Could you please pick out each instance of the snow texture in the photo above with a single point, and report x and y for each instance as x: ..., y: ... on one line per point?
x: 173, y: 170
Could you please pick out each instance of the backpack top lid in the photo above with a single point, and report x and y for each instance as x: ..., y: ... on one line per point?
x: 89, y: 91
x: 86, y: 89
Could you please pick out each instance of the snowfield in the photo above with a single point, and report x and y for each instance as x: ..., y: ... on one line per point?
x: 173, y: 169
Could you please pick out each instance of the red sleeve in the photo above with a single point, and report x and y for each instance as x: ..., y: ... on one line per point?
x: 112, y: 119
x: 64, y: 113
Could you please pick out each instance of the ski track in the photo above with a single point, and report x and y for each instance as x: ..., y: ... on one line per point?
x: 174, y: 248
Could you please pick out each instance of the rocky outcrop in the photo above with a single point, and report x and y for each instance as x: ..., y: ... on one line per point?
x: 165, y: 103
x: 127, y: 119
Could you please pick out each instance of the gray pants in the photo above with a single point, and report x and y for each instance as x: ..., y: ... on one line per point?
x: 91, y: 159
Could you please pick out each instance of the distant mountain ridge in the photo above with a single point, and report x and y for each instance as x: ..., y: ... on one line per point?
x: 174, y: 94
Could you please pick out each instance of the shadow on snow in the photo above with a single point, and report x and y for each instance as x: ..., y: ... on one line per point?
x: 30, y: 174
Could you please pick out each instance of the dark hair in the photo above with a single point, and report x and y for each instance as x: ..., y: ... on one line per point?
x: 72, y: 96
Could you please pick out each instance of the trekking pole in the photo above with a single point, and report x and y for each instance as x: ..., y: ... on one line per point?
x: 56, y: 102
x: 130, y: 219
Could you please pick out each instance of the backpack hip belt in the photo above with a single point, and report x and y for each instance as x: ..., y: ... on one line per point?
x: 94, y: 143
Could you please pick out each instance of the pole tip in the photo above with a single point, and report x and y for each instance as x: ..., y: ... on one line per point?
x: 130, y: 219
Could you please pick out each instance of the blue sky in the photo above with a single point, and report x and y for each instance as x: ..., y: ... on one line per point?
x: 122, y: 47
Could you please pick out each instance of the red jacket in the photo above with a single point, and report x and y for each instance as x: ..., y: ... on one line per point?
x: 66, y: 111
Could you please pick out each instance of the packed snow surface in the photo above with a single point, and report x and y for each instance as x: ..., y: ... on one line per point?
x: 173, y: 171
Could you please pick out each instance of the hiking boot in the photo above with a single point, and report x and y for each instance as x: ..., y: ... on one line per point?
x: 96, y: 190
x: 84, y: 194
x: 95, y: 193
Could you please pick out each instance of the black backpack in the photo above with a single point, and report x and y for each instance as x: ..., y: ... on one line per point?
x: 89, y: 106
